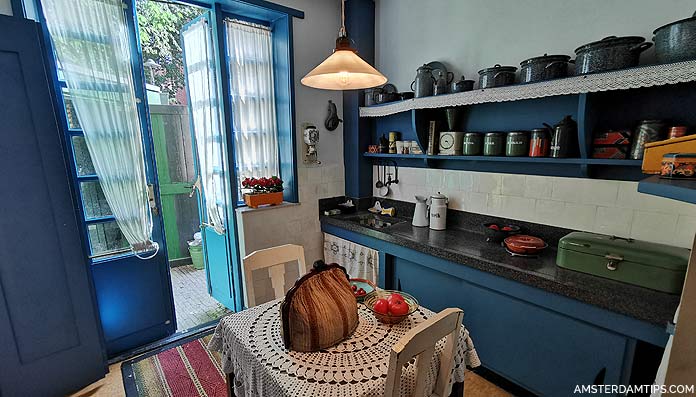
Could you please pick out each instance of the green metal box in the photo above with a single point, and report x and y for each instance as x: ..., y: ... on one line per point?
x: 650, y: 265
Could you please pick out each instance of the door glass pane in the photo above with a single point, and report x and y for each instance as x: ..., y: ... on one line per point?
x: 105, y: 237
x: 83, y: 161
x: 73, y: 122
x: 93, y: 200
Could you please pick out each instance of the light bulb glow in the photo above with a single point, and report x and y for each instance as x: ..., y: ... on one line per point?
x: 344, y: 78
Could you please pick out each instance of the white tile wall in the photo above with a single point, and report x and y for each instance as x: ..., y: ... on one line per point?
x: 601, y: 206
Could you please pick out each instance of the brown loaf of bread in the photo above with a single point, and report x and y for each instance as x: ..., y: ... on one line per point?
x: 320, y: 310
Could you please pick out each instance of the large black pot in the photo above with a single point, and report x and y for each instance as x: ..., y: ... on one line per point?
x: 544, y: 68
x: 676, y: 41
x: 610, y: 53
x: 496, y: 76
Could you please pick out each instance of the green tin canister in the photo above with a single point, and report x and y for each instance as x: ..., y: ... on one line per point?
x: 494, y: 144
x: 472, y: 144
x: 517, y: 144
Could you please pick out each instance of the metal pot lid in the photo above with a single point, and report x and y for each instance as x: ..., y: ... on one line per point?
x: 545, y: 59
x: 498, y: 68
x: 438, y: 195
x: 610, y: 41
x: 389, y: 88
x: 692, y: 19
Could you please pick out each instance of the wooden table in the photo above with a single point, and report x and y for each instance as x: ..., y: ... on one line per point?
x: 257, y: 363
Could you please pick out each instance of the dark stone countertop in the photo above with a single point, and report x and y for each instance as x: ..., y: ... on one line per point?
x: 470, y: 248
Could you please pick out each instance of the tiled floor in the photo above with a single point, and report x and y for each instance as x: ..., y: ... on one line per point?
x: 192, y: 303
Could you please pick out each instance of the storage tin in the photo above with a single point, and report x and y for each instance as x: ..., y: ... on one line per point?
x: 679, y: 165
x: 517, y: 144
x: 646, y: 264
x: 539, y: 142
x: 494, y: 144
x: 647, y: 131
x: 472, y: 144
x: 652, y: 161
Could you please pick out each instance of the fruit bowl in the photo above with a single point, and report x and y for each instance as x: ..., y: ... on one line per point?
x: 377, y: 294
x: 497, y: 232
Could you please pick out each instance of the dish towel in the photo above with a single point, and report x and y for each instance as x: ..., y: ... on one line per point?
x: 359, y: 261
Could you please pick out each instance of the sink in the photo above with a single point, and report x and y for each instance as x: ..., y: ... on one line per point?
x: 375, y: 221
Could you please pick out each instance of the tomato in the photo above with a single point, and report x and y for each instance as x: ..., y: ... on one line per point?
x: 398, y: 307
x: 381, y: 306
x: 361, y: 292
x: 494, y: 227
x: 507, y: 229
x: 354, y: 287
x: 394, y: 297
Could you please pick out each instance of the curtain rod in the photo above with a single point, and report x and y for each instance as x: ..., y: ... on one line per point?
x: 253, y: 25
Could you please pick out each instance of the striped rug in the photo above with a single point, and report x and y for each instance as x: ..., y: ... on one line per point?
x: 186, y: 370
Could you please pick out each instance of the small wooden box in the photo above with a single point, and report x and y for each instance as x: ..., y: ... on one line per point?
x: 652, y: 159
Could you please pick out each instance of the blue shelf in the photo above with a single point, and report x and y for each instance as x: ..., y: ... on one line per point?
x: 503, y: 159
x: 676, y: 189
x: 396, y: 156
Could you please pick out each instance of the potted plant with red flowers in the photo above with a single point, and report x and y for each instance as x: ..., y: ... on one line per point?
x: 262, y: 191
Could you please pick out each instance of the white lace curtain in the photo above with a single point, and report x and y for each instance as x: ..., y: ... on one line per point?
x: 359, y: 261
x: 249, y: 51
x: 201, y: 82
x: 93, y: 46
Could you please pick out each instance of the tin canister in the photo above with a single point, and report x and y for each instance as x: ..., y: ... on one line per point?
x: 676, y: 132
x: 393, y: 137
x: 539, y: 142
x: 517, y: 144
x: 678, y: 165
x: 472, y: 144
x: 646, y: 132
x: 494, y: 144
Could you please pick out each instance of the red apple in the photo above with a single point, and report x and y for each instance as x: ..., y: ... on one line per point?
x: 494, y: 227
x: 381, y: 306
x: 398, y: 307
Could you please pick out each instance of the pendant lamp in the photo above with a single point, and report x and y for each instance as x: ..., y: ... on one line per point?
x: 344, y: 69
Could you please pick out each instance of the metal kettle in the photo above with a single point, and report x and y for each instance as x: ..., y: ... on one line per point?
x: 421, y: 213
x: 423, y: 84
x: 564, y: 138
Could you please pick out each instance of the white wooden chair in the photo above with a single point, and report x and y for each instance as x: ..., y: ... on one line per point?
x: 274, y: 259
x: 420, y: 342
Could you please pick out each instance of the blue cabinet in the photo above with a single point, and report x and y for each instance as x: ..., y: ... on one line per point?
x: 542, y: 350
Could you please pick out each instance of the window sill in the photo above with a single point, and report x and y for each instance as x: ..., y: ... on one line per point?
x: 245, y: 209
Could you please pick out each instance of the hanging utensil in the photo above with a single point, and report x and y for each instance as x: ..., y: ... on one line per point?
x: 379, y: 183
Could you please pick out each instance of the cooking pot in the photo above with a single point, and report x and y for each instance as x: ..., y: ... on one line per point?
x: 610, y: 53
x: 462, y: 85
x: 387, y: 93
x: 544, y: 68
x: 676, y: 41
x: 496, y: 76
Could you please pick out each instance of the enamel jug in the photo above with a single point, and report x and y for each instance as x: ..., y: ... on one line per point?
x: 420, y: 214
x: 423, y: 84
x: 438, y: 211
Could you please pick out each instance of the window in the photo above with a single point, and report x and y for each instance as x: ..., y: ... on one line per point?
x: 252, y: 92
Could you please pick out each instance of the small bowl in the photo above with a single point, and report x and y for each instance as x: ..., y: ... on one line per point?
x: 372, y: 297
x: 497, y: 236
x: 367, y: 285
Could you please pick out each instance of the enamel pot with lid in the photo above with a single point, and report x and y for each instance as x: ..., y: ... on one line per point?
x: 545, y: 67
x: 438, y: 211
x: 676, y: 41
x: 610, y: 53
x: 496, y: 76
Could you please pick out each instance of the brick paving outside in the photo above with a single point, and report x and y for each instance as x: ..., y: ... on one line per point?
x: 192, y: 303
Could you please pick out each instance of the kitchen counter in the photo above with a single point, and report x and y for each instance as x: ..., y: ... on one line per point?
x: 470, y: 248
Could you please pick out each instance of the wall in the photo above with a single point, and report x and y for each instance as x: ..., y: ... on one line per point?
x: 472, y: 34
x: 469, y: 35
x: 5, y: 7
x: 314, y: 39
x: 608, y: 207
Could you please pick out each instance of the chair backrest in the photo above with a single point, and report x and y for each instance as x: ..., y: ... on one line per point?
x: 420, y: 342
x: 274, y: 259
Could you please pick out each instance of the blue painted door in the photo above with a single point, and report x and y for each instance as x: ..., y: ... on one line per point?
x: 134, y: 296
x: 219, y: 249
x: 50, y: 341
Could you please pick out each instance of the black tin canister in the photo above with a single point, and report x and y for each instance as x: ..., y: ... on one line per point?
x: 539, y: 142
x: 646, y: 132
x: 494, y: 144
x: 472, y: 144
x: 517, y: 144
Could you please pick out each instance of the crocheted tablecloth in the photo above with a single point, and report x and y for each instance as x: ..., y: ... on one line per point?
x: 252, y: 349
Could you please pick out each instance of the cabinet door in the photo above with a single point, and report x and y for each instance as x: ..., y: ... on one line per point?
x: 50, y: 343
x: 544, y: 351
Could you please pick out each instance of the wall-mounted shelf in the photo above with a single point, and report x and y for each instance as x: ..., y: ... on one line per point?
x: 676, y: 189
x: 502, y: 159
x: 638, y: 77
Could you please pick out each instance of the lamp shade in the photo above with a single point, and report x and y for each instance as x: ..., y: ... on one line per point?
x: 344, y: 70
